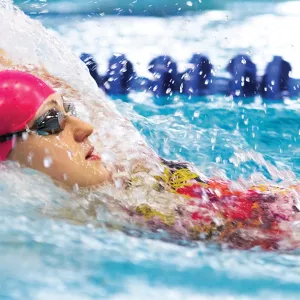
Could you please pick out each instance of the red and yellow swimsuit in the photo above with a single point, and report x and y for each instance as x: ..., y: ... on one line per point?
x: 215, y: 211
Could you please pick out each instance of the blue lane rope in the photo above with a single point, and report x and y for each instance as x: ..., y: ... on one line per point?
x: 198, y: 79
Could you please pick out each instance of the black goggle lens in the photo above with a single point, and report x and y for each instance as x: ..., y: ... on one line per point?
x: 50, y: 123
x: 53, y: 121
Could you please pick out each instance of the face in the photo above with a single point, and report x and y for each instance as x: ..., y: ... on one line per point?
x: 68, y: 156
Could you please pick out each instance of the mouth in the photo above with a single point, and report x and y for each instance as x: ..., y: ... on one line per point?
x: 91, y: 155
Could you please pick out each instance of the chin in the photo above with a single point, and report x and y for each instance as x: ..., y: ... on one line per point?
x: 101, y: 178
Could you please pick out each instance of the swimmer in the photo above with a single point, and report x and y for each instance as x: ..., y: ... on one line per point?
x: 40, y: 130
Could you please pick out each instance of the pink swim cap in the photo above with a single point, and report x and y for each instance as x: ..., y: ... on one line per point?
x: 21, y: 95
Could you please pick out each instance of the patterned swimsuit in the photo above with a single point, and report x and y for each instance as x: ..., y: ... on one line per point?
x: 214, y: 211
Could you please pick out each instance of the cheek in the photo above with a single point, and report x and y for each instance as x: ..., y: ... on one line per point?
x: 44, y: 152
x: 61, y: 158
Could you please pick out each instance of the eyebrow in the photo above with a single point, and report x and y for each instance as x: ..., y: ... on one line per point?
x: 53, y: 101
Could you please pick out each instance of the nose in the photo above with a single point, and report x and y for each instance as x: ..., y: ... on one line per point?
x: 80, y: 129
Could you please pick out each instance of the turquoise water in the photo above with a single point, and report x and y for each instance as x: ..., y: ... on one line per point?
x: 160, y: 8
x: 43, y: 257
x: 211, y: 134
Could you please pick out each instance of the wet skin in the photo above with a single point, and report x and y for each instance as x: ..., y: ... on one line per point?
x: 67, y: 157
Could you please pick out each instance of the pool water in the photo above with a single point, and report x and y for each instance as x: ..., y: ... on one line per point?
x: 44, y: 257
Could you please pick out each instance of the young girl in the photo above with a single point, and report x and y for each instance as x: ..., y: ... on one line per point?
x: 40, y: 130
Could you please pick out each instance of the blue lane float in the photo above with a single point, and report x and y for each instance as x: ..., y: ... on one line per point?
x: 198, y: 79
x: 244, y: 78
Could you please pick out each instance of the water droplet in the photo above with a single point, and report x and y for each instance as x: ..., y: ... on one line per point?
x: 48, y: 161
x: 244, y: 61
x: 29, y: 157
x: 196, y: 114
x: 25, y: 136
x: 181, y: 88
x: 178, y: 113
x: 70, y: 154
x: 176, y: 99
x: 157, y: 75
x: 107, y: 85
x: 75, y: 187
x: 189, y: 3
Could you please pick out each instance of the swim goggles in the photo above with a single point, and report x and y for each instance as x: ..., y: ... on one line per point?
x: 52, y: 122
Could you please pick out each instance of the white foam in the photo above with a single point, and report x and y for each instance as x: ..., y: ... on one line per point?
x: 26, y: 42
